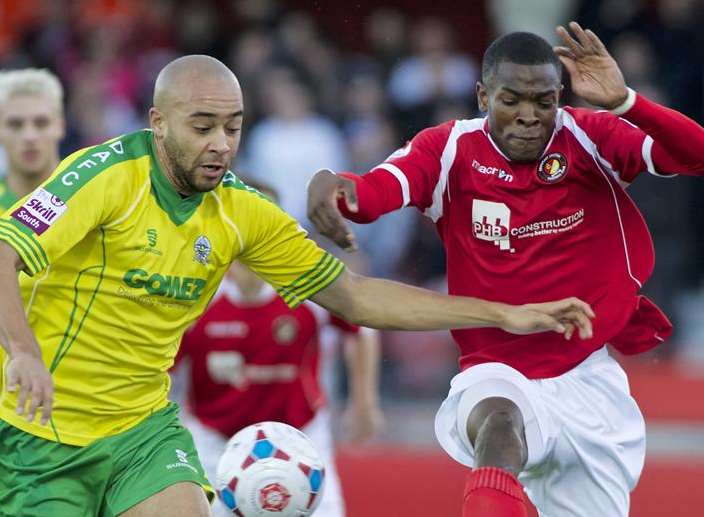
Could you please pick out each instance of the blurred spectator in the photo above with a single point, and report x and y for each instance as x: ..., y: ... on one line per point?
x: 636, y: 57
x: 304, y: 46
x: 292, y: 141
x: 371, y: 137
x: 385, y: 32
x: 433, y: 73
x: 197, y: 26
x: 537, y: 16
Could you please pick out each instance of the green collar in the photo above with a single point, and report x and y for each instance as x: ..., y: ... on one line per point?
x: 179, y: 208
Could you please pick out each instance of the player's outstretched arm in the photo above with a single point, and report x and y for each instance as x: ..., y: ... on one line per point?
x: 25, y: 369
x: 384, y: 304
x: 596, y: 77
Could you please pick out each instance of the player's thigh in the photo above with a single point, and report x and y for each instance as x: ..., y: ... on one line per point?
x: 180, y: 500
x: 581, y: 480
x: 600, y: 450
x: 39, y: 477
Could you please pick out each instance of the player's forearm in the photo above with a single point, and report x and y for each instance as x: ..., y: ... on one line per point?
x: 362, y: 356
x: 679, y: 140
x: 377, y: 193
x: 388, y: 305
x: 15, y: 334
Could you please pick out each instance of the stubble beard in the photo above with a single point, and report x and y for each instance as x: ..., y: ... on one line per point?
x: 184, y: 177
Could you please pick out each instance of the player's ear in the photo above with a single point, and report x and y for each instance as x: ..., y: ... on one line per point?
x: 482, y: 97
x: 157, y: 122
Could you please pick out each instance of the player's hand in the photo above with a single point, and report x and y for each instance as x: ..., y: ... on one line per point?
x: 563, y: 316
x: 362, y: 421
x: 594, y: 74
x: 324, y: 189
x: 28, y: 373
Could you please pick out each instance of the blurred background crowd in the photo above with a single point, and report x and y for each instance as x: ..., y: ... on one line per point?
x: 341, y: 85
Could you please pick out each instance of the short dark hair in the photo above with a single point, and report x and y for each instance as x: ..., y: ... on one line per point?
x: 522, y: 48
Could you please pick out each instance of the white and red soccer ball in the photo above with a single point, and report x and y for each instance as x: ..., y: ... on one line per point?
x: 270, y: 469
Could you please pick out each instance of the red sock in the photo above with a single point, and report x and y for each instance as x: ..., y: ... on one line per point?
x: 493, y: 492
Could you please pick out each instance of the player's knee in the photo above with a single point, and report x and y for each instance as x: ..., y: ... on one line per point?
x: 503, y: 427
x: 498, y: 412
x: 500, y: 442
x: 496, y: 430
x: 501, y: 420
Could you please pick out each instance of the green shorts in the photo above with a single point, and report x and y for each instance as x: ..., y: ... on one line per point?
x: 42, y: 478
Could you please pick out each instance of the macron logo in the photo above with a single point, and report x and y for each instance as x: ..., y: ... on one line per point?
x: 492, y: 171
x: 40, y: 211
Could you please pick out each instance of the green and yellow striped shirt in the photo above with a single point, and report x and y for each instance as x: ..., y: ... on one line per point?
x: 124, y: 265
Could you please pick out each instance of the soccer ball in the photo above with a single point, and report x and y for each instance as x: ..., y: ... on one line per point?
x: 270, y: 469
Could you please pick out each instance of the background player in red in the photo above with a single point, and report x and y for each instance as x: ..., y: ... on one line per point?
x: 530, y: 204
x: 251, y: 358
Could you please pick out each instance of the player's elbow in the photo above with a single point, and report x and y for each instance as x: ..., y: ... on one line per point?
x: 345, y: 298
x: 9, y: 256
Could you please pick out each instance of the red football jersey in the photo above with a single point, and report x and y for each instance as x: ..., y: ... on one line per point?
x: 533, y: 232
x: 255, y: 361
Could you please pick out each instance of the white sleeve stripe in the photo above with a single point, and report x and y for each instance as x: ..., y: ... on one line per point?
x: 627, y: 104
x: 402, y: 179
x: 647, y: 157
x: 570, y: 124
x: 447, y: 160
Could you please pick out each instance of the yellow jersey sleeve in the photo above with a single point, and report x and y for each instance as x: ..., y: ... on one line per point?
x: 277, y: 249
x: 79, y: 196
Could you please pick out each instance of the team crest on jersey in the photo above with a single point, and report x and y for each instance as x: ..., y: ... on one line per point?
x: 202, y: 249
x: 552, y: 168
x: 284, y: 329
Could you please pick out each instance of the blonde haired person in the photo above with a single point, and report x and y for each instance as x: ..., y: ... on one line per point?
x: 31, y: 127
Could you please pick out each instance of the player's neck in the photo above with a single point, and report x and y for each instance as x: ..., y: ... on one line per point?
x: 251, y: 292
x: 23, y: 184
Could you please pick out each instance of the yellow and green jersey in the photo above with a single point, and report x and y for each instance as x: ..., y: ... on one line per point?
x: 7, y: 197
x: 125, y: 265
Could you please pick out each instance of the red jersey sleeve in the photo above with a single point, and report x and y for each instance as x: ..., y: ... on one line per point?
x: 342, y: 325
x: 406, y: 178
x: 620, y: 144
x: 674, y: 143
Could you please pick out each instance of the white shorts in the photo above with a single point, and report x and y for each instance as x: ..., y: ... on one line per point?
x: 585, y: 433
x: 210, y: 445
